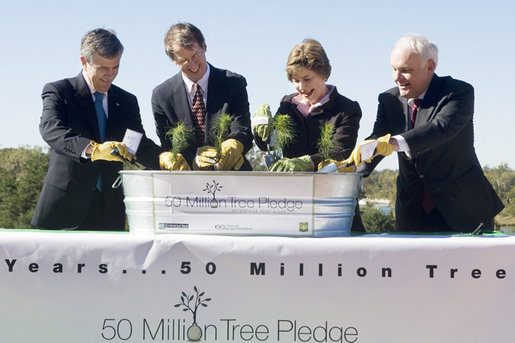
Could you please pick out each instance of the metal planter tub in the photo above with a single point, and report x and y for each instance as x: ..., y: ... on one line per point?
x: 240, y: 203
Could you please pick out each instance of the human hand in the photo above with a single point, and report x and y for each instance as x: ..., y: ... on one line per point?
x: 231, y: 155
x: 303, y: 163
x: 381, y: 147
x: 102, y: 151
x: 206, y: 158
x: 262, y: 122
x: 168, y: 162
x: 384, y: 147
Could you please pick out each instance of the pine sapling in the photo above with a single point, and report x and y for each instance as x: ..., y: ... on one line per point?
x: 179, y: 137
x: 325, y: 144
x: 220, y: 131
x: 283, y: 131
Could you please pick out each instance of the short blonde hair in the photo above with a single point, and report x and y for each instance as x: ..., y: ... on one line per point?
x: 309, y: 55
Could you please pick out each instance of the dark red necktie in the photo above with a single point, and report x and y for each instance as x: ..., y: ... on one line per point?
x: 414, y: 111
x: 199, y: 112
x: 426, y: 201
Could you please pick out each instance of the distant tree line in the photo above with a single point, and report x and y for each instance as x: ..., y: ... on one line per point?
x: 23, y: 169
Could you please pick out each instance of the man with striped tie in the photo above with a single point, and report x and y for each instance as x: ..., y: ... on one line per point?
x: 197, y: 96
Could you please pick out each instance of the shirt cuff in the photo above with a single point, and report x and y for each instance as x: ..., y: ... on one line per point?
x: 403, y: 145
x: 83, y: 155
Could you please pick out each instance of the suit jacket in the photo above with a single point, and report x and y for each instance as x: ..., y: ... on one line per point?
x: 227, y: 93
x: 442, y: 157
x: 68, y: 124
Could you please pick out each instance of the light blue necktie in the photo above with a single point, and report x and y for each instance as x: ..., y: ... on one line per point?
x: 101, y: 115
x: 102, y: 120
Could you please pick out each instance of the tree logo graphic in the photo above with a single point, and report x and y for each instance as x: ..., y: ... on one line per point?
x: 192, y: 303
x: 212, y: 189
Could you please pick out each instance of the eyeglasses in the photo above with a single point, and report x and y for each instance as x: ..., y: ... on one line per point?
x: 195, y: 58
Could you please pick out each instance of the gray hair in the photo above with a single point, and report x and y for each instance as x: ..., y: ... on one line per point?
x: 419, y: 45
x: 101, y: 42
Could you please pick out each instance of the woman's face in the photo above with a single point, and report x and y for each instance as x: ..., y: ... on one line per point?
x: 310, y: 85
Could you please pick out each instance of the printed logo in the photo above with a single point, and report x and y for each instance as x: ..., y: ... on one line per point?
x: 192, y: 303
x: 212, y: 189
x: 303, y: 226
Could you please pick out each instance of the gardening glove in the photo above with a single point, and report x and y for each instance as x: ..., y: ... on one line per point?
x: 231, y: 155
x: 102, y: 151
x: 206, y: 158
x: 383, y: 148
x: 303, y: 163
x: 262, y: 122
x: 341, y: 165
x: 168, y: 162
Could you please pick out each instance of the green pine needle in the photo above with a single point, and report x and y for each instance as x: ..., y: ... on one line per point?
x: 326, y: 143
x: 284, y: 133
x: 179, y: 137
x: 221, y: 130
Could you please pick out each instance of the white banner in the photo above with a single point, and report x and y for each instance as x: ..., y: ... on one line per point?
x: 198, y: 203
x: 106, y: 287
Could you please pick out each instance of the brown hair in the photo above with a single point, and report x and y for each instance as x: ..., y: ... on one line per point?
x: 310, y: 55
x: 182, y: 35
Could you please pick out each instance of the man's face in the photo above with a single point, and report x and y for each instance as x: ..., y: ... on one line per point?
x: 411, y: 74
x: 192, y: 61
x: 101, y: 72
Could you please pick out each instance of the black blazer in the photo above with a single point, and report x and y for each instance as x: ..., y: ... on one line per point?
x: 442, y: 157
x: 68, y: 124
x: 227, y: 93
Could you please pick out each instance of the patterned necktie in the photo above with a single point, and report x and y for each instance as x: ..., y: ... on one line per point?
x: 199, y: 111
x: 414, y: 111
x: 101, y: 115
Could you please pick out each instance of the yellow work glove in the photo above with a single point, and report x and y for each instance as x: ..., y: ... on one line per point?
x: 168, y: 162
x: 342, y: 166
x: 231, y: 155
x: 206, y: 158
x: 303, y: 163
x: 262, y: 122
x: 102, y: 151
x: 383, y: 148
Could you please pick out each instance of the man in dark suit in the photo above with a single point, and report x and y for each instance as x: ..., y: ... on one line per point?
x: 441, y: 186
x: 84, y: 118
x: 196, y: 96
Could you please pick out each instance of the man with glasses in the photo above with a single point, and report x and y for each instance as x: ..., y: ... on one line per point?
x: 84, y: 119
x: 197, y: 96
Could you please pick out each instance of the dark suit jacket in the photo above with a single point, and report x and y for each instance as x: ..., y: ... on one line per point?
x: 68, y: 124
x: 443, y: 159
x: 227, y: 93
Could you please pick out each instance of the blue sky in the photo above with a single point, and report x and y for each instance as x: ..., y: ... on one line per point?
x: 40, y: 42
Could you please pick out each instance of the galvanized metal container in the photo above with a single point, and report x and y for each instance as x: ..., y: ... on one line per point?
x: 240, y: 203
